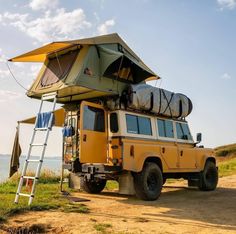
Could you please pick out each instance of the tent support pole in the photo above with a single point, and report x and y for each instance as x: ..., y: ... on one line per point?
x: 62, y: 166
x: 121, y: 61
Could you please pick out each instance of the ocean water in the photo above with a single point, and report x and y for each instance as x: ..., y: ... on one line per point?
x: 49, y: 163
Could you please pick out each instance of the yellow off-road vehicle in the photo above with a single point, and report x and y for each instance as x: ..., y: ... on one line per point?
x: 138, y: 150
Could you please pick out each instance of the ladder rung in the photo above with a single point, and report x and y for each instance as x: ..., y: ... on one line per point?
x: 41, y: 129
x: 30, y: 177
x: 38, y: 144
x: 34, y: 160
x: 24, y: 194
x: 49, y: 96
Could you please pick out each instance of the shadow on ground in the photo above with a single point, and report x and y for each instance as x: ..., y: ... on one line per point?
x: 187, y: 206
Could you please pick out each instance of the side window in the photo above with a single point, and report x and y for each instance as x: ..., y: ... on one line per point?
x: 183, y: 132
x: 132, y: 124
x: 165, y: 128
x: 93, y: 119
x: 114, y: 123
x: 161, y: 127
x: 138, y: 125
x: 169, y: 128
x: 144, y: 125
x: 180, y: 133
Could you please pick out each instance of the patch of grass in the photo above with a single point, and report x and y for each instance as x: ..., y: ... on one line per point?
x: 112, y: 185
x: 76, y: 208
x: 34, y: 228
x: 227, y: 168
x: 102, y: 227
x: 2, y: 219
x: 226, y: 150
x: 47, y: 197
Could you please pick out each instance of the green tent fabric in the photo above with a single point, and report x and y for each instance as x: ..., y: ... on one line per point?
x: 102, y: 66
x: 16, y: 152
x: 108, y: 57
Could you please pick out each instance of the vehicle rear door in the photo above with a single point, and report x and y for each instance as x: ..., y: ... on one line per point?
x: 93, y: 133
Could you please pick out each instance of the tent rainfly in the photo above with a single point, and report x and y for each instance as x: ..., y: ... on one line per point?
x: 86, y: 68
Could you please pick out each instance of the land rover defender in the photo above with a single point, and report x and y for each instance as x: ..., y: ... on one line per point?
x: 103, y: 145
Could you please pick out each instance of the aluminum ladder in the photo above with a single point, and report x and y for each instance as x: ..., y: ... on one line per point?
x: 46, y: 97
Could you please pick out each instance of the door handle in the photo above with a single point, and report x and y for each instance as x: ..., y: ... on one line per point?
x: 181, y: 152
x: 114, y: 146
x: 84, y: 137
x: 163, y: 150
x: 132, y: 150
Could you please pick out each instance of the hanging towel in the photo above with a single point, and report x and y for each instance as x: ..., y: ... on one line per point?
x: 16, y: 152
x: 43, y: 120
x: 68, y: 131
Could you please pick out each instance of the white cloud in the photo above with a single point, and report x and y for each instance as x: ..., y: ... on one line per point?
x: 226, y: 76
x: 35, y: 69
x: 227, y: 4
x: 6, y: 95
x: 103, y: 28
x: 43, y: 4
x: 56, y: 25
x: 4, y: 73
x: 3, y: 57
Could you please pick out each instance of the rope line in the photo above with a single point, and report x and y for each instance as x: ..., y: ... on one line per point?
x: 15, y: 77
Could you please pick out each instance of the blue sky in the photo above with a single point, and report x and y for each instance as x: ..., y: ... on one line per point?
x: 190, y: 44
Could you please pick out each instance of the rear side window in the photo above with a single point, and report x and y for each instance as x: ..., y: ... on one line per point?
x: 183, y: 132
x: 165, y: 128
x: 138, y: 125
x: 114, y: 123
x: 132, y: 124
x: 93, y: 119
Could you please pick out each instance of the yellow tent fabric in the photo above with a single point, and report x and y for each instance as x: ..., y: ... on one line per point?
x: 59, y: 116
x: 40, y: 54
x: 16, y: 152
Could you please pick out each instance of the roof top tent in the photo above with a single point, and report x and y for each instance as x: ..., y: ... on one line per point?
x: 86, y: 68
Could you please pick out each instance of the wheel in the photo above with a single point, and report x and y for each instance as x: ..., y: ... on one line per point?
x: 92, y: 186
x: 208, y: 177
x: 148, y: 183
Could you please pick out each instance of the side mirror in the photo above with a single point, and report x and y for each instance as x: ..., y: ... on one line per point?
x: 199, y: 137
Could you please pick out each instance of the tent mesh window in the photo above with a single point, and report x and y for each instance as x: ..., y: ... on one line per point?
x: 125, y: 72
x: 58, y: 68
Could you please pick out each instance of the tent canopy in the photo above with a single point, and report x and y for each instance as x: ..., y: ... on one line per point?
x: 86, y: 68
x: 40, y: 54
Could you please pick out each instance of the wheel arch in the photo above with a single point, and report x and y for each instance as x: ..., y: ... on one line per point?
x: 210, y: 159
x: 153, y: 159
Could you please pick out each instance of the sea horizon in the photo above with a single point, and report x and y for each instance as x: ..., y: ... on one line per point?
x: 52, y: 163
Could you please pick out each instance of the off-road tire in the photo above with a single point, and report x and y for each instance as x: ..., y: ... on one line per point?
x: 148, y: 183
x: 208, y: 177
x: 92, y: 186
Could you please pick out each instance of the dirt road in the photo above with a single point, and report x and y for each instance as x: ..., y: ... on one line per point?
x: 179, y: 210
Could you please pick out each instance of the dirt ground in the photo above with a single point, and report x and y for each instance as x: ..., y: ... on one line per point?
x: 179, y: 210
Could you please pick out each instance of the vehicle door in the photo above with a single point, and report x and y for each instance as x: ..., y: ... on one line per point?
x: 93, y: 133
x: 186, y: 150
x: 169, y: 150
